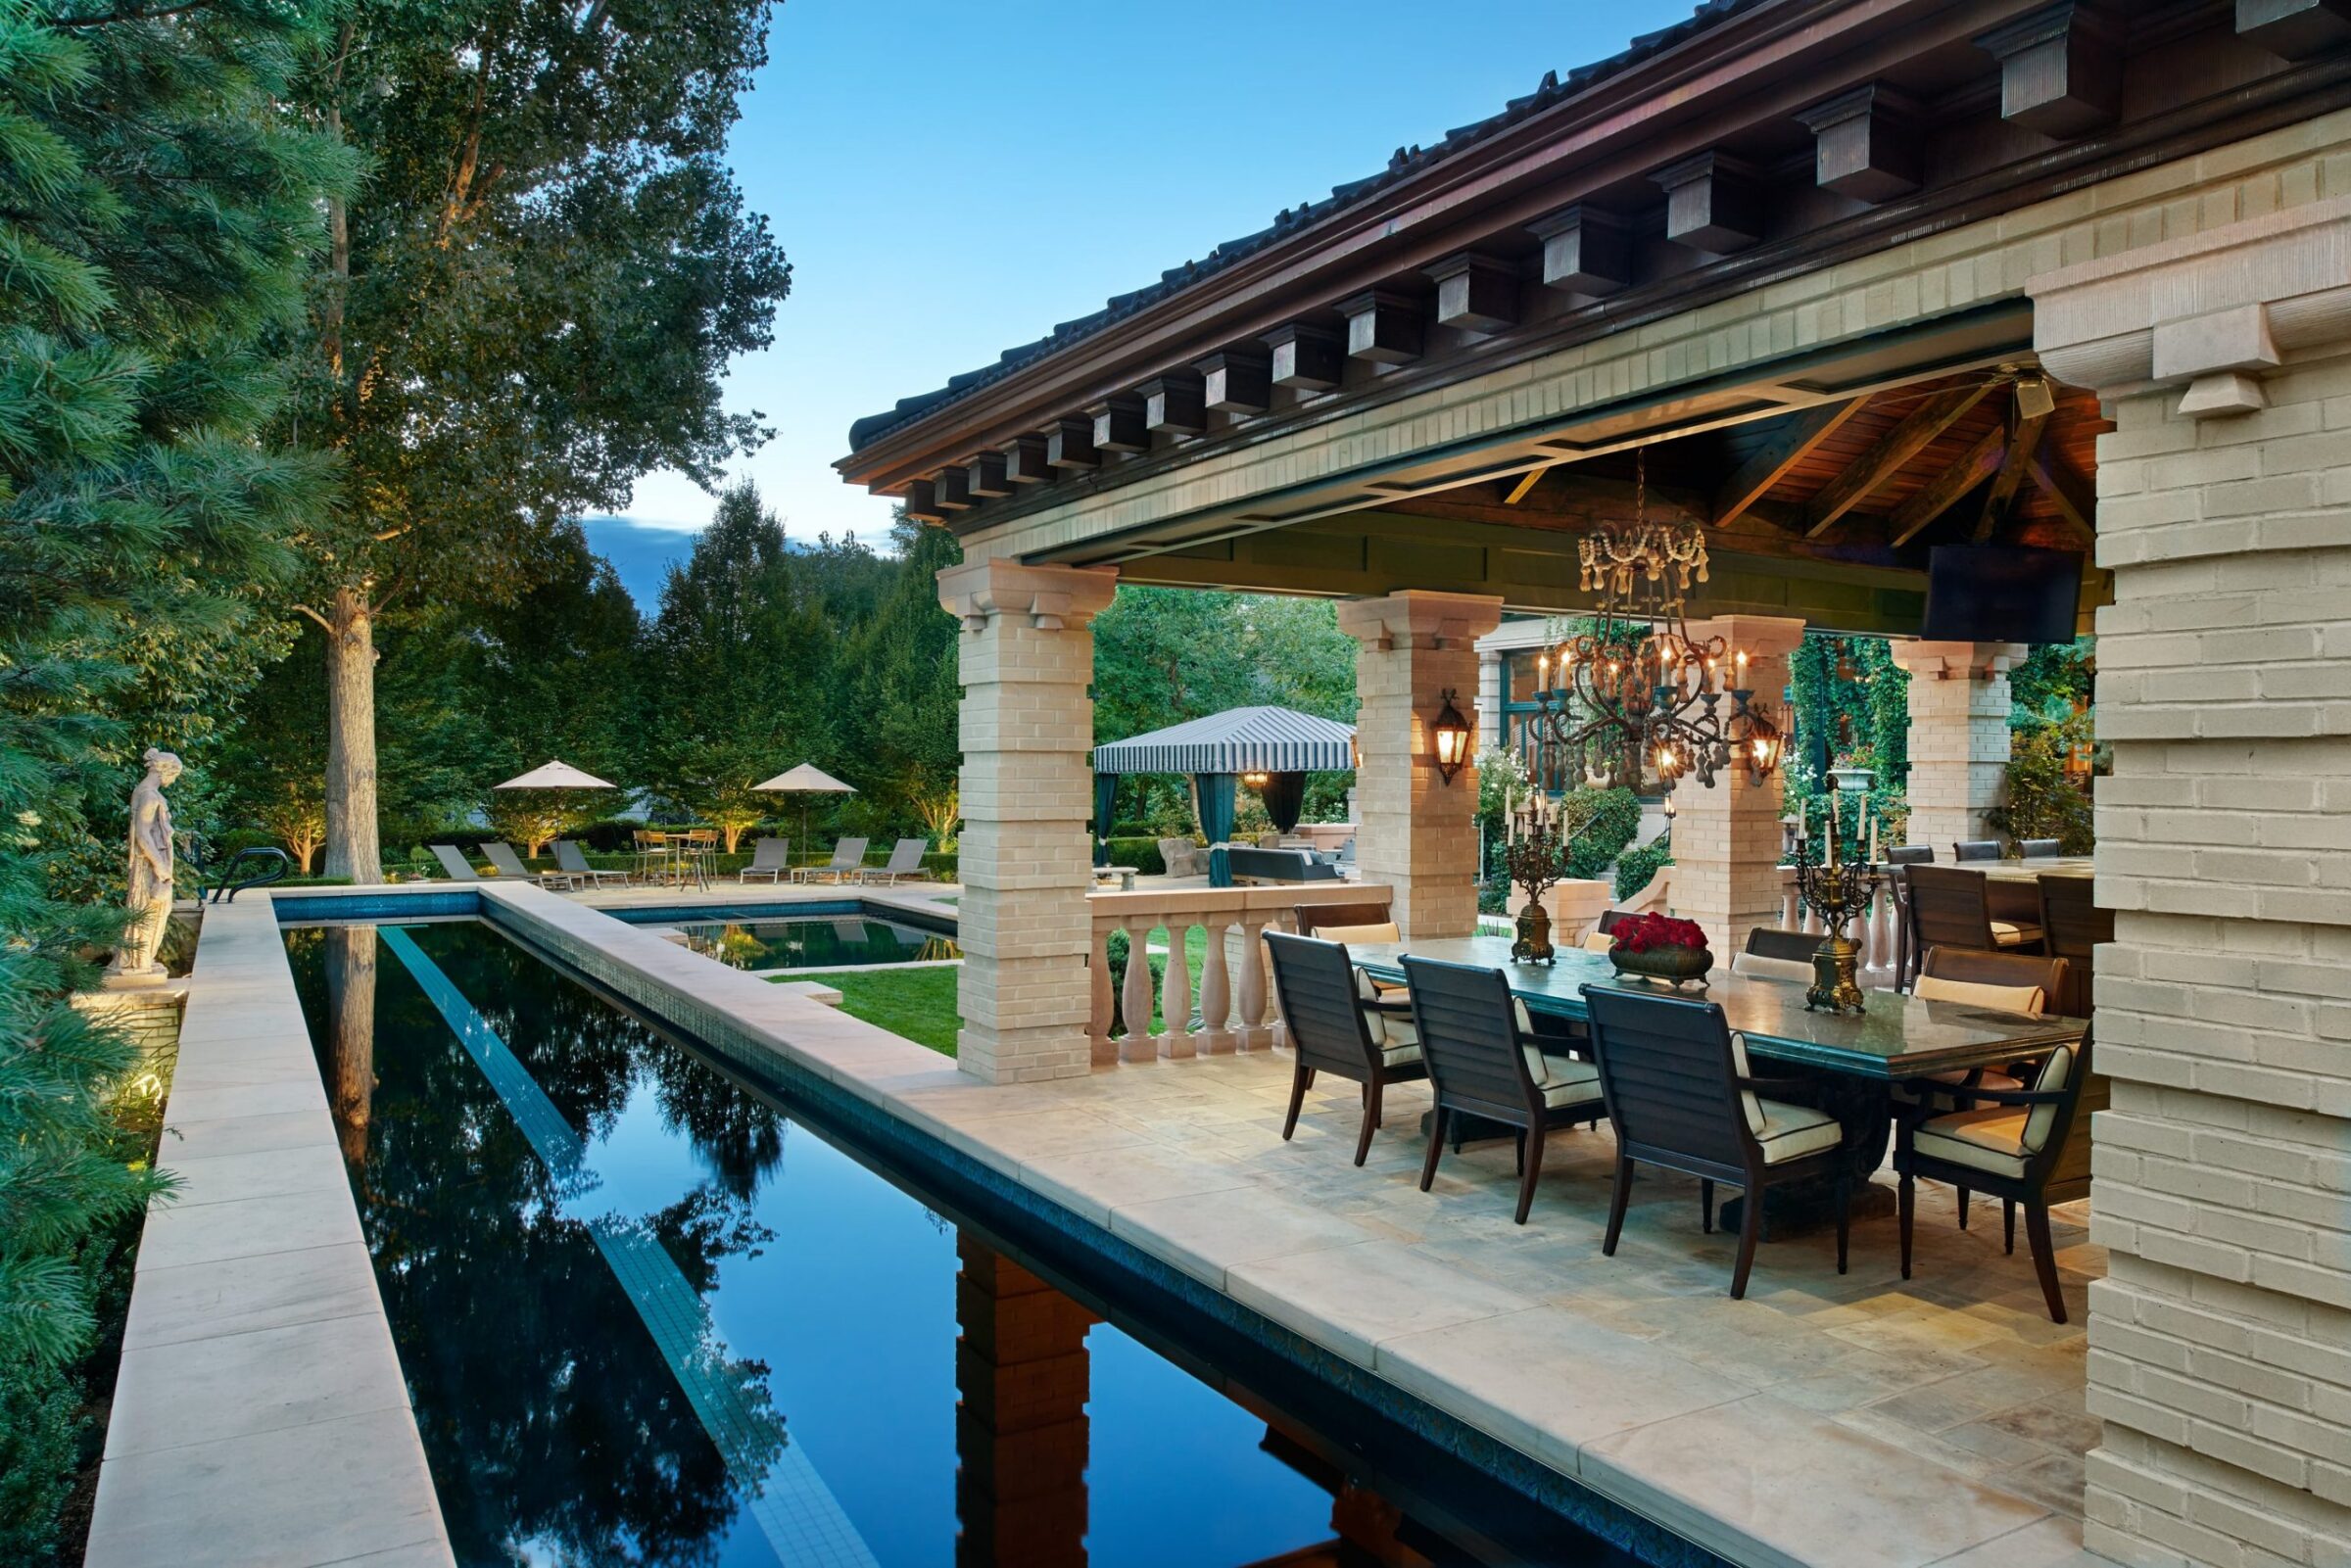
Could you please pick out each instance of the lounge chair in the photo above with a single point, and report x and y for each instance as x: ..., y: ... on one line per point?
x: 573, y: 863
x: 847, y: 855
x: 771, y: 858
x: 905, y: 860
x: 453, y: 861
x: 509, y: 864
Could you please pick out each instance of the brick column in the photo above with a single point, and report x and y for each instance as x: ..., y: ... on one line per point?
x: 1726, y: 840
x: 1489, y: 699
x: 1958, y: 737
x: 2220, y: 1343
x: 1028, y: 729
x: 1418, y: 835
x: 1021, y: 1433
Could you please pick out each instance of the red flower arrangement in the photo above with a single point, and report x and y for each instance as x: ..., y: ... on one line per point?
x: 1647, y: 933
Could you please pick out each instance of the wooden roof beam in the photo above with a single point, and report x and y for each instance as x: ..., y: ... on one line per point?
x: 1760, y: 473
x: 1894, y: 448
x: 1942, y: 493
x: 2023, y: 441
x: 2075, y: 501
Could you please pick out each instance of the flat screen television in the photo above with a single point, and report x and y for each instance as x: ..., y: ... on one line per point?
x: 2001, y: 594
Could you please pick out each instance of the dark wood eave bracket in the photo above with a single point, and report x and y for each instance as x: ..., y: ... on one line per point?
x: 2315, y: 86
x: 1765, y: 64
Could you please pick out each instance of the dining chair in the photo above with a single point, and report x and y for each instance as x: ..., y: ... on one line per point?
x: 1681, y: 1096
x: 1771, y: 954
x: 1951, y: 908
x: 1364, y: 921
x: 2002, y: 983
x: 1485, y: 1060
x: 1897, y: 883
x: 2027, y: 1146
x: 2042, y: 848
x: 1976, y: 849
x: 2073, y: 925
x: 1338, y: 1024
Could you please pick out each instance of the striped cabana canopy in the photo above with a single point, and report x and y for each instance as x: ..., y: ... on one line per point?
x: 1236, y: 740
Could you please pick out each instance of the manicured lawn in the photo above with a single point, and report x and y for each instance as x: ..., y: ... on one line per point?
x: 918, y: 1003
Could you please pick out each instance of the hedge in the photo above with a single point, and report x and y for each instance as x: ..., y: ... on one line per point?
x: 1142, y: 854
x: 1636, y: 866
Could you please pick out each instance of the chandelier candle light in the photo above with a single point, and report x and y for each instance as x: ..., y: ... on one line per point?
x: 1640, y: 695
x: 1837, y: 887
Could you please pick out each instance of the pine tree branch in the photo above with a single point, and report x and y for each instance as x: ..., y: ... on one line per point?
x: 113, y: 18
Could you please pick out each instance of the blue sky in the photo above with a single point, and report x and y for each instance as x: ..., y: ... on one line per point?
x: 953, y: 178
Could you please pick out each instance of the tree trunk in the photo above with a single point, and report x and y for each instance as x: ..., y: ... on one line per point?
x: 350, y: 999
x: 353, y: 849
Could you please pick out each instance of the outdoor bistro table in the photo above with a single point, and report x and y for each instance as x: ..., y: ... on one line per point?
x: 1855, y: 1061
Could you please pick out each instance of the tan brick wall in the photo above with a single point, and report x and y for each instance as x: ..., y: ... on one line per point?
x: 1419, y: 833
x: 1025, y: 659
x: 1726, y: 840
x: 2220, y: 1341
x: 1958, y: 738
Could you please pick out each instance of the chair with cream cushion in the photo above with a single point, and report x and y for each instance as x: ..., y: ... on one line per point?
x: 1777, y: 955
x: 2027, y: 1146
x: 1949, y: 907
x: 1341, y: 1026
x: 1485, y: 1060
x: 1993, y: 982
x: 1681, y: 1095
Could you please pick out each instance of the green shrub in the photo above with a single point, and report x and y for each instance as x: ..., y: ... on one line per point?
x: 1600, y: 825
x: 1636, y: 866
x: 1142, y: 854
x: 40, y: 1432
x: 2044, y: 801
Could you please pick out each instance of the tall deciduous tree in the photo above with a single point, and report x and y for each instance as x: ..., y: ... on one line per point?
x: 907, y: 749
x: 529, y: 304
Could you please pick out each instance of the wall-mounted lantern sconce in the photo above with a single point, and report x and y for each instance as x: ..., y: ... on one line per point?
x: 1452, y: 733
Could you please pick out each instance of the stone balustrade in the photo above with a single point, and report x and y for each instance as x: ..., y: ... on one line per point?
x: 1874, y: 931
x: 1230, y: 1004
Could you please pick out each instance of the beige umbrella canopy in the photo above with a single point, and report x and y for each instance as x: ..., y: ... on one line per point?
x: 805, y: 780
x: 555, y: 775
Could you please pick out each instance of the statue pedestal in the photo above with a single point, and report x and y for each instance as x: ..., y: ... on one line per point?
x: 144, y: 981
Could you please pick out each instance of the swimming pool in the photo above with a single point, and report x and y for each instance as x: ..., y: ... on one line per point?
x: 653, y: 1313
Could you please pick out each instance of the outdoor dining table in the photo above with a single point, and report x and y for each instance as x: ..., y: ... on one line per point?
x: 2025, y: 870
x: 1853, y: 1061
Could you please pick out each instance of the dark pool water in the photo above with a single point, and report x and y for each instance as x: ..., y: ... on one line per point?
x: 649, y: 1317
x: 814, y: 942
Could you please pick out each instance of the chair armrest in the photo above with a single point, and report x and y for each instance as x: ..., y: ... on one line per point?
x: 1773, y: 1085
x: 2010, y: 1095
x: 1387, y: 1004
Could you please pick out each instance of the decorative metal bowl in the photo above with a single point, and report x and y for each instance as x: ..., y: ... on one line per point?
x: 1670, y: 965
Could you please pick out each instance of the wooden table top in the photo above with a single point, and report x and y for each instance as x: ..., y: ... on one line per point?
x: 1899, y: 1037
x: 2025, y: 871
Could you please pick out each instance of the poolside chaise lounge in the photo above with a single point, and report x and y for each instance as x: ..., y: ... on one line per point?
x: 572, y: 862
x: 771, y: 858
x: 509, y: 864
x: 453, y: 861
x: 847, y: 855
x: 905, y: 860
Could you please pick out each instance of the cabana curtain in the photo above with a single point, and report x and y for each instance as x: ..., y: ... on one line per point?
x: 1216, y: 806
x: 1284, y: 795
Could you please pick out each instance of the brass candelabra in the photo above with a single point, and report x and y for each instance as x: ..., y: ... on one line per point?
x: 1836, y: 887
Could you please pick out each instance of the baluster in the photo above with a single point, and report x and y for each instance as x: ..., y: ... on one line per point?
x: 1175, y: 993
x: 1791, y: 910
x: 1253, y: 1034
x: 1215, y: 992
x: 1881, y: 927
x: 1106, y: 1049
x: 1134, y: 998
x: 1277, y: 1032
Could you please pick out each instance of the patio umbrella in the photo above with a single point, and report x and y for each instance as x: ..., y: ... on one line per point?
x: 552, y: 776
x: 803, y: 780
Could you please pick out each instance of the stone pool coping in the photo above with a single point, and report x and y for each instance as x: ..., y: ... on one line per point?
x: 260, y: 1414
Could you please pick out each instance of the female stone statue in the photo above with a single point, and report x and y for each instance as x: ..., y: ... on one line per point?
x: 150, y: 891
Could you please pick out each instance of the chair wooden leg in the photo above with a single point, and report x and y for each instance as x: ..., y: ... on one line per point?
x: 1518, y: 1160
x: 2009, y: 1225
x: 1616, y: 1201
x: 1534, y: 1170
x: 2045, y: 1256
x: 1845, y: 1213
x: 1706, y: 1204
x: 1299, y: 1079
x: 1907, y: 1205
x: 1963, y: 1208
x: 1436, y: 1146
x: 1751, y: 1230
x: 1362, y: 1140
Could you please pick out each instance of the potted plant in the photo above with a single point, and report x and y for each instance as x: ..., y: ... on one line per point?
x: 1659, y: 947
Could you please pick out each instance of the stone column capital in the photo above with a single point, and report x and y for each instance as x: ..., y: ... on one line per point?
x: 1762, y: 636
x: 1047, y: 597
x: 2211, y: 311
x: 1420, y: 618
x: 1942, y: 661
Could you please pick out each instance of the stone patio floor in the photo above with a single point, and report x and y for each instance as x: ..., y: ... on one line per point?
x: 1860, y: 1419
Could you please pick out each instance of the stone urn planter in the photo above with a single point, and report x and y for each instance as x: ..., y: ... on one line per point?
x: 1661, y: 949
